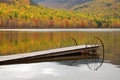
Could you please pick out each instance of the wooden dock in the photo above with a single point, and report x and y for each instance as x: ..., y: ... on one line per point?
x: 59, y: 54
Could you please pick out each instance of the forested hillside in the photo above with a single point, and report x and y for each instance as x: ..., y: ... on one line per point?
x: 110, y: 9
x: 22, y: 15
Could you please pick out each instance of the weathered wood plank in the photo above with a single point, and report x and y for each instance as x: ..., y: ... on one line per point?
x: 66, y: 53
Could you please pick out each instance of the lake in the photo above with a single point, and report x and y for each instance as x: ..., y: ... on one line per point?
x: 22, y: 41
x: 17, y: 42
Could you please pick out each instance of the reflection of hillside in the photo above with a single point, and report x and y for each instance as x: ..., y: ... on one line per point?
x: 114, y: 58
x: 21, y: 42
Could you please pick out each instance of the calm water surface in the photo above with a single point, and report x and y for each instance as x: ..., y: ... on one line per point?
x: 12, y: 42
x: 15, y: 42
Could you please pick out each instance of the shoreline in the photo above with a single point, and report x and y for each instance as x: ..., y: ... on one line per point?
x: 63, y: 30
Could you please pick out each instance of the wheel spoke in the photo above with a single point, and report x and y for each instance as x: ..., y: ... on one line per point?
x: 94, y: 63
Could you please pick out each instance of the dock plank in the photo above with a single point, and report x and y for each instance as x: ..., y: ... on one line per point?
x: 48, y: 52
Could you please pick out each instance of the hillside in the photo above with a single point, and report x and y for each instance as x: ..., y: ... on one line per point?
x: 99, y: 6
x: 62, y: 4
x: 28, y: 16
x: 109, y: 9
x: 19, y: 1
x: 97, y: 15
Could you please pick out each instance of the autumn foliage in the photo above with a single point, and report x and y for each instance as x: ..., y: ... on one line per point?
x: 30, y: 16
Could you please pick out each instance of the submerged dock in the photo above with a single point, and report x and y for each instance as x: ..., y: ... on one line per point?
x: 59, y: 54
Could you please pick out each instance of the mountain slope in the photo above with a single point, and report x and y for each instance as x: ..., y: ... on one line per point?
x: 94, y: 14
x: 107, y: 10
x: 108, y: 7
x: 19, y: 1
x: 64, y: 4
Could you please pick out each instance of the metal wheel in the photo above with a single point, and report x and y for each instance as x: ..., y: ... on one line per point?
x: 69, y: 42
x: 94, y: 63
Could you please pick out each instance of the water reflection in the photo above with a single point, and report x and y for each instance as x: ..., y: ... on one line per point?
x: 20, y: 42
x: 72, y: 62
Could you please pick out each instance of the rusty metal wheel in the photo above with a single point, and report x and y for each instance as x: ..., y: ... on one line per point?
x: 69, y: 42
x: 96, y: 56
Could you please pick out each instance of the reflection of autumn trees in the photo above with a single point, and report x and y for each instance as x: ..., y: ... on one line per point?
x: 27, y: 16
x: 21, y: 42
